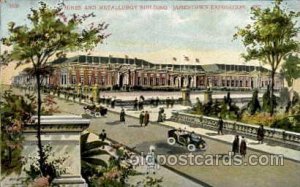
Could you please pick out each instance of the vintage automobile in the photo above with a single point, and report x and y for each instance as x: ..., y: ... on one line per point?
x: 94, y: 110
x: 190, y: 140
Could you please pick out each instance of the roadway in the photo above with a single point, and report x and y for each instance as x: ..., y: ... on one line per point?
x: 132, y: 135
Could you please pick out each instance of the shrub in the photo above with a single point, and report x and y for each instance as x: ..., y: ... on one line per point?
x: 261, y: 118
x: 254, y: 104
x: 282, y: 124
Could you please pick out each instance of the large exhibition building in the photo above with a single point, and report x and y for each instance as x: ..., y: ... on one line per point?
x: 122, y: 73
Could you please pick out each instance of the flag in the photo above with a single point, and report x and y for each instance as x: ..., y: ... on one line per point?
x: 175, y: 59
x: 197, y: 60
x: 186, y: 58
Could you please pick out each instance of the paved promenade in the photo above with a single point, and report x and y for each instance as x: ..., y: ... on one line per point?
x: 227, y: 138
x: 219, y: 175
x: 169, y: 177
x: 132, y: 135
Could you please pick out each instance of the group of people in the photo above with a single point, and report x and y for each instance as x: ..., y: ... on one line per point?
x: 139, y: 104
x: 170, y: 102
x: 154, y: 102
x: 144, y: 118
x: 239, y: 147
x: 161, y: 115
x: 109, y: 101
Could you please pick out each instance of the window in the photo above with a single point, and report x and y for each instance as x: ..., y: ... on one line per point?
x: 145, y: 81
x: 232, y: 83
x: 241, y: 83
x: 102, y: 80
x: 81, y: 79
x: 157, y: 81
x: 90, y: 80
x: 151, y: 81
x: 73, y: 79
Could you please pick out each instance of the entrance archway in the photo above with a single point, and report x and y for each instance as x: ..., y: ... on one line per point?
x: 121, y: 80
x: 189, y: 82
x: 182, y: 82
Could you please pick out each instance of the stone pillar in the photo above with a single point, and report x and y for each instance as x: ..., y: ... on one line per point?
x: 62, y: 133
x: 79, y: 92
x: 207, y: 96
x: 186, y: 101
x: 96, y: 93
x: 85, y: 90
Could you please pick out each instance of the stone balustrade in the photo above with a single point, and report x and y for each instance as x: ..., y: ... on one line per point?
x: 289, y: 138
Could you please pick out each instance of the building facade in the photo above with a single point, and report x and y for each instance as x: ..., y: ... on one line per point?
x: 109, y: 72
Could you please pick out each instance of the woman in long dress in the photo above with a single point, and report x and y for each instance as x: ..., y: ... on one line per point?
x: 122, y: 116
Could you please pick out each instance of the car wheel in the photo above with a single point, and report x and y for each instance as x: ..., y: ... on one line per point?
x: 203, y: 146
x: 171, y: 141
x: 97, y: 114
x: 191, y: 147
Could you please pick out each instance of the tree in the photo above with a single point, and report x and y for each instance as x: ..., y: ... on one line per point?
x: 291, y: 69
x: 51, y: 34
x: 15, y: 111
x: 270, y: 37
x: 267, y: 106
x: 254, y: 105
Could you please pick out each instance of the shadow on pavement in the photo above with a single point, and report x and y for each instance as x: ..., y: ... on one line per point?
x: 113, y: 123
x: 136, y: 126
x: 211, y: 134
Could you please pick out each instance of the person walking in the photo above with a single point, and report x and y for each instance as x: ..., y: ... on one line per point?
x: 112, y: 103
x: 243, y: 147
x: 142, y: 118
x: 220, y: 126
x: 159, y: 118
x: 102, y: 136
x: 146, y: 118
x: 135, y: 104
x: 260, y: 134
x: 172, y: 102
x: 167, y: 102
x: 236, y: 145
x: 122, y: 116
x: 157, y: 101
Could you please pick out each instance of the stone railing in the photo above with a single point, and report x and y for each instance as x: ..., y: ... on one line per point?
x: 237, y: 100
x: 71, y: 95
x: 278, y: 135
x: 128, y: 103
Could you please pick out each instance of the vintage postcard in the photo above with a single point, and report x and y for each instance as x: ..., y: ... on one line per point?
x: 150, y: 93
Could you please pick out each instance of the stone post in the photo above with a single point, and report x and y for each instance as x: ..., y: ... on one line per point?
x: 186, y: 101
x: 96, y: 93
x: 207, y: 96
x: 63, y: 134
x: 79, y: 92
x: 86, y: 92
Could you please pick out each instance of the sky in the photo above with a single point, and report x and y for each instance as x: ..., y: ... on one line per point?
x: 160, y: 30
x: 173, y: 28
